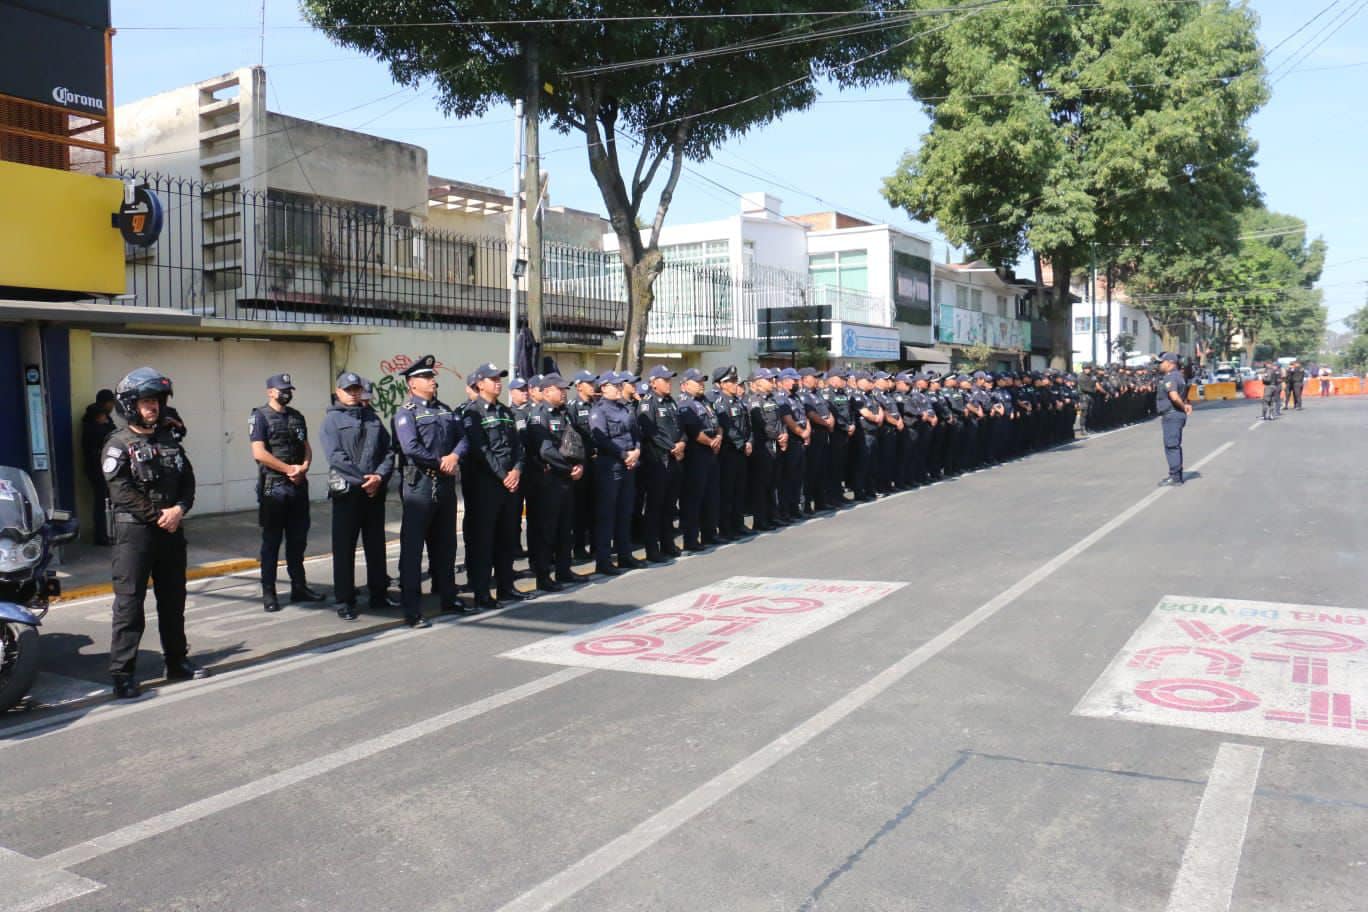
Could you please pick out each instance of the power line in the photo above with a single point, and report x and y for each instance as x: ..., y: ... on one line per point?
x: 1329, y: 30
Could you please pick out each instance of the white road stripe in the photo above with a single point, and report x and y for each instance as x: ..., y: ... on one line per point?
x: 1206, y: 879
x: 560, y: 887
x: 198, y: 810
x: 1256, y: 425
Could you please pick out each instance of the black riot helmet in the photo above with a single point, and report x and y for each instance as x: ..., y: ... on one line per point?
x: 143, y: 383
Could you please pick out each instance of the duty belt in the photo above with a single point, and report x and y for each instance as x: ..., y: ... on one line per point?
x: 130, y: 518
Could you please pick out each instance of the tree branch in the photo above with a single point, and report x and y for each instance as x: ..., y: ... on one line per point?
x: 681, y: 136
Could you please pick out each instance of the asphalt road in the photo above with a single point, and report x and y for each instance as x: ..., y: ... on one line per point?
x: 884, y: 710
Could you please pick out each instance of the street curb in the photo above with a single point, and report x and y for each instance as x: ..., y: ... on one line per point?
x: 197, y: 572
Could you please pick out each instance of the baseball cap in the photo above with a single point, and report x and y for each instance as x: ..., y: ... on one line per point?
x: 545, y: 380
x: 348, y: 379
x: 487, y: 371
x: 1169, y: 356
x: 279, y: 382
x: 694, y: 374
x: 517, y: 383
x: 585, y: 376
x: 659, y: 372
x: 762, y: 373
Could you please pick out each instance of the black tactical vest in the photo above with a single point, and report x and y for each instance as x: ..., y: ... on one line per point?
x: 285, y: 439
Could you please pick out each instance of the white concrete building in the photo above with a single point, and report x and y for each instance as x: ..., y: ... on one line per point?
x: 977, y: 304
x: 1098, y: 327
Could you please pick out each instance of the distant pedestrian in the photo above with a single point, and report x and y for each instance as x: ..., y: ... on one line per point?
x: 1324, y: 382
x: 1173, y: 408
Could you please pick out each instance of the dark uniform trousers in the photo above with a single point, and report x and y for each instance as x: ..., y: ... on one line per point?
x: 662, y: 475
x: 838, y: 455
x: 1173, y: 424
x: 616, y: 490
x: 865, y: 462
x: 585, y: 504
x: 355, y: 513
x: 732, y: 489
x: 816, y: 465
x: 760, y: 483
x: 550, y: 518
x: 142, y: 550
x: 909, y: 441
x: 698, y: 502
x: 791, y: 483
x: 492, y: 533
x: 429, y: 521
x: 887, y: 458
x: 283, y: 512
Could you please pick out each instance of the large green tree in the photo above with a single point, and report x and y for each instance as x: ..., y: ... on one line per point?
x: 646, y: 84
x: 1263, y: 291
x: 1070, y: 130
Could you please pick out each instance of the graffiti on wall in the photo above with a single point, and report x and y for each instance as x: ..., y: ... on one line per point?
x: 390, y: 391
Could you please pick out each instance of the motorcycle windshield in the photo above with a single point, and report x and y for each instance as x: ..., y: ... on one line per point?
x: 21, y: 514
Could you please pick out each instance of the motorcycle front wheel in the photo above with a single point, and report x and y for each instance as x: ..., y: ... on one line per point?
x: 18, y: 662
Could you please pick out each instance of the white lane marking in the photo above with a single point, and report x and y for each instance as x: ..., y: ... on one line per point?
x: 1256, y: 425
x: 198, y: 810
x: 711, y: 631
x: 31, y: 885
x: 560, y: 887
x: 1211, y: 861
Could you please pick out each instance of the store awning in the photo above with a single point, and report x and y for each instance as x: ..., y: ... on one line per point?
x: 925, y: 355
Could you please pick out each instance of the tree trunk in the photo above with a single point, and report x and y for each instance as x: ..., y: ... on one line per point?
x: 1061, y: 336
x: 641, y: 278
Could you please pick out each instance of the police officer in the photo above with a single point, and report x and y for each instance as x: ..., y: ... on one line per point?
x: 1170, y: 400
x: 495, y: 466
x: 817, y: 462
x: 151, y: 488
x: 1296, y: 377
x: 792, y: 460
x: 886, y: 457
x: 555, y: 459
x: 662, y: 456
x: 521, y: 398
x: 280, y: 446
x: 586, y: 393
x: 428, y: 438
x: 733, y: 419
x: 768, y: 439
x: 698, y: 502
x: 866, y: 451
x: 96, y: 426
x: 616, y: 453
x: 1271, y: 390
x: 360, y: 463
x: 843, y: 427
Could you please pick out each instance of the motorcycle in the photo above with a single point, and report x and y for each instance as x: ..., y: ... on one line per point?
x: 28, y: 537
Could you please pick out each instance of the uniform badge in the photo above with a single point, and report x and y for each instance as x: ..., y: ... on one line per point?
x: 109, y: 465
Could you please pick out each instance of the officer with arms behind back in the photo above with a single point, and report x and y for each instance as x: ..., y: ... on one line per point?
x: 428, y: 438
x: 1170, y: 400
x: 151, y: 488
x: 280, y: 446
x: 360, y: 463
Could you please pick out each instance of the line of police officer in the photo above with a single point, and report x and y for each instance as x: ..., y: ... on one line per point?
x: 619, y: 462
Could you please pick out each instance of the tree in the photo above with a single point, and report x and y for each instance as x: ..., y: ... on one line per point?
x: 1263, y: 291
x: 1123, y: 345
x: 674, y: 80
x: 1066, y: 129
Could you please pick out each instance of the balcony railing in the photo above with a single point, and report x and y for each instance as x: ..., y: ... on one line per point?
x: 236, y: 255
x: 849, y: 306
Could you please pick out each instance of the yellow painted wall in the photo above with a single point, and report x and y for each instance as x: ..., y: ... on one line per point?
x: 55, y: 230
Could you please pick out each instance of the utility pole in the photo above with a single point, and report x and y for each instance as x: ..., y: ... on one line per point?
x: 1092, y: 299
x: 532, y: 189
x: 1110, y: 266
x: 517, y: 266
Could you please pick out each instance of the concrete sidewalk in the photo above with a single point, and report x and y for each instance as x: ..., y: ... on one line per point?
x: 217, y: 543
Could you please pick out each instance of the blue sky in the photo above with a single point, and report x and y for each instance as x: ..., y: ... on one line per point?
x: 1312, y: 135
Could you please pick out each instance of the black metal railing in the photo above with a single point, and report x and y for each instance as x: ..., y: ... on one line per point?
x: 283, y: 257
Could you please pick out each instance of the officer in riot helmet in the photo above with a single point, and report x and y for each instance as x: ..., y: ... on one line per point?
x: 280, y: 446
x: 151, y: 488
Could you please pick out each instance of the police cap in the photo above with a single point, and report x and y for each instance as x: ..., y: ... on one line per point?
x: 279, y: 382
x: 517, y: 384
x: 545, y: 381
x: 1169, y: 356
x: 425, y: 366
x: 659, y: 372
x: 348, y: 379
x: 694, y: 374
x: 487, y: 371
x: 762, y: 373
x: 585, y: 376
x: 724, y: 374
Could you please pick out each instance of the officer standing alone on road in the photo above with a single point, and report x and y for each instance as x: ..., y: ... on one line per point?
x: 151, y: 488
x: 360, y: 463
x: 1170, y: 400
x: 428, y: 439
x: 280, y: 446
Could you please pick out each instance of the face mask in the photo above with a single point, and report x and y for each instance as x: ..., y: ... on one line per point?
x: 284, y: 396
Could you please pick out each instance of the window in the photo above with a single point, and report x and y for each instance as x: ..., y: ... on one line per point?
x: 1001, y: 306
x: 715, y: 254
x: 848, y: 269
x: 976, y: 299
x: 309, y: 226
x: 961, y: 297
x: 1081, y: 324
